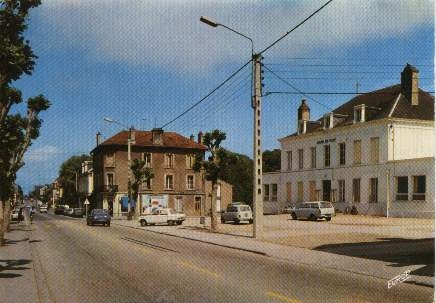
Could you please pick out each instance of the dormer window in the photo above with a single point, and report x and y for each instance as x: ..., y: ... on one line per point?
x: 328, y: 121
x: 359, y: 113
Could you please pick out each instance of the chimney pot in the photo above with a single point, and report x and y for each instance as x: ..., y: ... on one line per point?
x: 200, y: 137
x: 410, y: 84
x: 98, y: 138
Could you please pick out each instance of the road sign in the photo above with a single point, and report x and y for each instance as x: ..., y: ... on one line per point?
x: 86, y: 202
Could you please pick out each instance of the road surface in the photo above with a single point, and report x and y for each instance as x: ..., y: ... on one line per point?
x: 79, y: 263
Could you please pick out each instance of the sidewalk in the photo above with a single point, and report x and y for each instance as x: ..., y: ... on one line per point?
x: 374, y: 268
x: 17, y: 271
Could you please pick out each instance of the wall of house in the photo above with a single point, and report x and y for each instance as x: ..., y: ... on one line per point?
x: 411, y: 140
x: 385, y: 171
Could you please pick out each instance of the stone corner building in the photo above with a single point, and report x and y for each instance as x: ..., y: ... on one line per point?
x: 171, y: 157
x: 375, y: 152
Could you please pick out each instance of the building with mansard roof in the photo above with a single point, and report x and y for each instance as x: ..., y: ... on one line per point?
x: 375, y: 152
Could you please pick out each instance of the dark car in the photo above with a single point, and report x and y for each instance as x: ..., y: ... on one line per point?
x: 98, y: 216
x: 59, y: 210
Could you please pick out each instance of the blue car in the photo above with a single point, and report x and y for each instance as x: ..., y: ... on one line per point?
x: 99, y: 216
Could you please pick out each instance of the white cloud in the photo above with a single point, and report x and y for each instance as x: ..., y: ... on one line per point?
x: 169, y: 34
x: 41, y: 154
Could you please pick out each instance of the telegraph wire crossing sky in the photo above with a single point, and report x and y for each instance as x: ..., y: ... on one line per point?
x: 145, y: 62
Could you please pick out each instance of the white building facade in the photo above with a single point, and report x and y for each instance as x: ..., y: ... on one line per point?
x: 375, y: 152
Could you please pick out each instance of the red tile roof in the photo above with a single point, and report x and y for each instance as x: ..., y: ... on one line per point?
x: 144, y: 139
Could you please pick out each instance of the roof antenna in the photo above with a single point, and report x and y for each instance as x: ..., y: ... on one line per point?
x: 357, y: 87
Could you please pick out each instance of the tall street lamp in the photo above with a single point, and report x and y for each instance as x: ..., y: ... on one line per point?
x: 129, y: 160
x: 256, y: 94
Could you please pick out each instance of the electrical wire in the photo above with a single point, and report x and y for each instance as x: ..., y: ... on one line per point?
x: 298, y: 90
x: 205, y: 97
x: 295, y: 27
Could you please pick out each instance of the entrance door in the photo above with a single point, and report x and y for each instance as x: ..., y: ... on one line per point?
x: 326, y: 189
x: 179, y: 204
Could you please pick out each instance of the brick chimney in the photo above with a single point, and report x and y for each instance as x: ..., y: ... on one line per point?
x: 410, y: 84
x: 157, y: 136
x: 98, y: 138
x: 200, y: 137
x: 191, y: 137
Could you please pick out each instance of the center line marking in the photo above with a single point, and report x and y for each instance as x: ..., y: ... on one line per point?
x: 281, y: 297
x: 200, y: 269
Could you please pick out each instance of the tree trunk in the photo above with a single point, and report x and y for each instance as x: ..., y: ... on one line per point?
x: 2, y: 230
x: 6, y: 216
x: 213, y: 218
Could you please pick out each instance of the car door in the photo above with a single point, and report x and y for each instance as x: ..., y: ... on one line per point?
x: 163, y: 216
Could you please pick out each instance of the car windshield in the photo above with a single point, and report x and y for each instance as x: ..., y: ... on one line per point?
x: 326, y: 205
x: 232, y: 209
x: 245, y: 208
x: 100, y: 212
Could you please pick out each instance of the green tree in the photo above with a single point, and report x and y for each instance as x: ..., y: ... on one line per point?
x: 271, y: 160
x: 16, y: 131
x: 68, y: 178
x: 237, y: 169
x: 213, y: 166
x: 141, y: 174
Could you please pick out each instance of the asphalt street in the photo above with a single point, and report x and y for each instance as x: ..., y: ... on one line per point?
x: 79, y: 263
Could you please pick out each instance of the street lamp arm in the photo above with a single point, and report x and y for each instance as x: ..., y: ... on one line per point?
x: 212, y: 23
x: 110, y: 120
x: 240, y: 34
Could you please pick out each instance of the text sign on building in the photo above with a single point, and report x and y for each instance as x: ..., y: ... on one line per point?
x: 326, y: 141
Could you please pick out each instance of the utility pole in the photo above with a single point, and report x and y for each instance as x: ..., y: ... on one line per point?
x: 257, y: 148
x: 129, y: 172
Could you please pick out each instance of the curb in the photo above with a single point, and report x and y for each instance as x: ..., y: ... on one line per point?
x: 336, y: 268
x: 198, y: 240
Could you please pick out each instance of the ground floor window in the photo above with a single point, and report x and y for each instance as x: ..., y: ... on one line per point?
x: 418, y: 187
x: 266, y: 192
x: 274, y: 192
x: 288, y: 192
x: 402, y: 188
x: 356, y: 190
x: 341, y: 190
x: 373, y: 190
x: 197, y: 204
x: 300, y: 192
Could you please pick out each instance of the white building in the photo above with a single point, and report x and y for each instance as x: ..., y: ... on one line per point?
x: 375, y: 152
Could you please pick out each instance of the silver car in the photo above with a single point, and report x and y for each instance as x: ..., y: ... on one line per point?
x: 237, y: 213
x: 314, y: 210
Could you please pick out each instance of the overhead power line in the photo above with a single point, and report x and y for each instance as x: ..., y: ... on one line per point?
x: 295, y: 27
x: 209, y: 94
x: 298, y: 90
x: 334, y: 93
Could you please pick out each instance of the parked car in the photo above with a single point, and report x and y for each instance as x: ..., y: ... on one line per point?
x: 43, y: 209
x: 69, y: 212
x: 162, y: 215
x: 98, y: 216
x: 288, y: 209
x: 77, y: 212
x: 314, y: 210
x: 237, y: 212
x: 15, y: 215
x: 59, y: 210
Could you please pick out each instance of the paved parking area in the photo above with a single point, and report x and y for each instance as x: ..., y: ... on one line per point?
x: 281, y: 229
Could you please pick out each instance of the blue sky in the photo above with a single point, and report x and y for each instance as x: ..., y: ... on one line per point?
x: 144, y: 62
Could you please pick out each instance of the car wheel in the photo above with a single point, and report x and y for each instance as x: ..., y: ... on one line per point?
x: 312, y: 217
x: 237, y: 221
x: 170, y: 223
x: 328, y: 218
x: 179, y: 223
x: 250, y: 221
x: 222, y: 220
x: 108, y: 224
x: 143, y: 223
x: 294, y: 216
